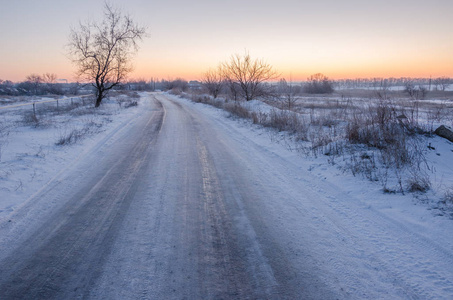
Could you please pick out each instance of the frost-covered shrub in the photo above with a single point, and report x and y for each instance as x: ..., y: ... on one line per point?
x: 448, y: 196
x: 318, y: 84
x: 380, y: 128
x: 284, y: 120
x: 130, y: 103
x: 237, y: 109
x: 200, y: 98
x: 418, y: 182
x: 71, y: 137
x: 30, y: 119
x: 259, y: 117
x: 177, y: 91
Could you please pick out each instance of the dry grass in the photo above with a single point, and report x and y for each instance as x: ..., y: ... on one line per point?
x: 379, y: 139
x: 237, y: 110
x: 448, y: 196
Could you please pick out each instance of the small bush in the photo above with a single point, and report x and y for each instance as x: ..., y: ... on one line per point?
x: 134, y: 95
x: 363, y: 164
x: 238, y: 110
x: 259, y: 118
x: 71, y: 138
x: 176, y: 91
x: 318, y: 84
x: 130, y: 103
x: 418, y: 182
x: 76, y: 134
x: 30, y: 119
x: 200, y: 99
x: 419, y: 92
x: 284, y: 120
x: 448, y: 196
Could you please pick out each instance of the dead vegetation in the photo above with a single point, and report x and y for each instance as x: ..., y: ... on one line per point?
x: 380, y: 139
x: 85, y: 119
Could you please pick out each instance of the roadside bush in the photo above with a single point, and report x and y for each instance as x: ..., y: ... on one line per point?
x: 71, y: 137
x: 284, y: 120
x: 396, y: 141
x: 237, y: 109
x: 30, y: 119
x: 4, y: 132
x: 377, y: 127
x: 177, y: 91
x: 374, y: 138
x: 260, y: 118
x: 130, y: 103
x: 200, y: 98
x: 197, y: 98
x: 363, y: 163
x: 90, y: 126
x: 448, y: 196
x: 418, y: 182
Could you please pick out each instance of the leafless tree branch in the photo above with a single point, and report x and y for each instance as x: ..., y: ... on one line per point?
x: 103, y: 51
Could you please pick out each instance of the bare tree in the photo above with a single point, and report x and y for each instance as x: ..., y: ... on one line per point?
x: 318, y: 84
x: 103, y: 51
x: 234, y: 89
x: 49, y: 78
x: 288, y: 93
x: 35, y: 80
x: 442, y: 83
x: 51, y: 85
x: 249, y: 75
x: 178, y: 84
x: 419, y: 92
x: 213, y: 81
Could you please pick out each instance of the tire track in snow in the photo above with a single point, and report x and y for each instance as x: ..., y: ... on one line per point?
x: 365, y: 249
x: 66, y: 255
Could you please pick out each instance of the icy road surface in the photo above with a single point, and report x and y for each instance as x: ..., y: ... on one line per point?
x: 178, y: 204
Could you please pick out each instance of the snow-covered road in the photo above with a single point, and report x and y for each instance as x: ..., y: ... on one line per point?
x: 183, y: 203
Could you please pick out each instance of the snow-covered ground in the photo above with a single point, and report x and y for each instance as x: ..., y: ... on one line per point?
x: 359, y: 242
x: 406, y: 237
x: 435, y: 153
x: 29, y: 154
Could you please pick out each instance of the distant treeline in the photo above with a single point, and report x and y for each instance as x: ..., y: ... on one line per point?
x: 48, y: 85
x: 41, y: 85
x: 439, y: 83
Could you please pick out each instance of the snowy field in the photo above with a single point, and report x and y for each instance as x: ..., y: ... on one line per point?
x: 368, y: 244
x: 36, y: 147
x: 322, y: 132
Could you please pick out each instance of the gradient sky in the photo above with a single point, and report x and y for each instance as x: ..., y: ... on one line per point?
x: 338, y: 38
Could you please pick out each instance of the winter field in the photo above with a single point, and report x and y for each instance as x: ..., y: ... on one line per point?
x: 356, y: 194
x: 35, y: 146
x: 371, y: 135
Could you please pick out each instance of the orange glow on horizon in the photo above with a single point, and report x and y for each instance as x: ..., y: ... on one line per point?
x: 340, y: 39
x: 147, y: 70
x: 299, y: 67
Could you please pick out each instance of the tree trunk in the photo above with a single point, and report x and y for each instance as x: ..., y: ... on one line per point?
x: 98, y: 99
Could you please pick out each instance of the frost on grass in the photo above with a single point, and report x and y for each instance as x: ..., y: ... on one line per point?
x: 72, y: 136
x: 73, y: 133
x: 381, y: 139
x: 31, y: 140
x: 447, y: 198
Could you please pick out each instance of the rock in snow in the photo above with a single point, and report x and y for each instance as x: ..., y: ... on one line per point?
x: 445, y: 132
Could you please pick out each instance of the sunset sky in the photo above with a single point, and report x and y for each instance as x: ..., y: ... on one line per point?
x: 353, y: 38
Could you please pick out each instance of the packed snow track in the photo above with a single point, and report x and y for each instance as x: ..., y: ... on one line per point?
x: 176, y: 205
